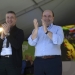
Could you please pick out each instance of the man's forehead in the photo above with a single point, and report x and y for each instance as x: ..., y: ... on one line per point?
x: 47, y: 12
x: 10, y: 14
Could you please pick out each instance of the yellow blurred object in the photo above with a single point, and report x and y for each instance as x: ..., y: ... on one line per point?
x: 68, y: 27
x: 68, y: 45
x: 71, y: 50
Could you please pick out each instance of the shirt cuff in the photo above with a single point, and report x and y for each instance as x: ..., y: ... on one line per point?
x: 54, y: 38
x: 32, y: 39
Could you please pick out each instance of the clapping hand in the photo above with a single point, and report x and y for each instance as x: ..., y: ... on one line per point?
x: 44, y: 25
x: 6, y: 28
x: 35, y: 23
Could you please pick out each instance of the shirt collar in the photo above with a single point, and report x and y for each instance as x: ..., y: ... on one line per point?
x: 50, y: 26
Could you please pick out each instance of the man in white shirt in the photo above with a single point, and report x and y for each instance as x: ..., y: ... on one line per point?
x: 47, y: 40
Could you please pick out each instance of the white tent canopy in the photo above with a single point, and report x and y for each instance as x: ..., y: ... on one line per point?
x: 27, y: 10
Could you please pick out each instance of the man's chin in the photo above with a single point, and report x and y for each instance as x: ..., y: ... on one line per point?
x: 48, y: 24
x: 10, y: 24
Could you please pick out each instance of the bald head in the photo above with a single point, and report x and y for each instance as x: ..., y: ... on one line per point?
x: 48, y: 17
x: 49, y: 11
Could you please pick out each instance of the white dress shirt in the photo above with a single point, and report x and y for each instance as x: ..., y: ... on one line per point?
x: 6, y: 51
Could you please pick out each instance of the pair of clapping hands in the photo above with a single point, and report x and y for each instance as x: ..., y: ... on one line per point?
x: 35, y: 22
x: 5, y: 30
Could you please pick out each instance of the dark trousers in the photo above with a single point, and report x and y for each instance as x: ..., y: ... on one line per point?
x: 49, y: 66
x: 7, y: 67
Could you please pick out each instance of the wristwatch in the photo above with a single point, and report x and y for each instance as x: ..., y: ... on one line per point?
x: 47, y: 32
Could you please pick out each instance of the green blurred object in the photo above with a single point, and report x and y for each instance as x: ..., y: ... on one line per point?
x: 27, y: 50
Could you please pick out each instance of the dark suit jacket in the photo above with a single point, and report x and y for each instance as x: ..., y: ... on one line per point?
x: 16, y: 39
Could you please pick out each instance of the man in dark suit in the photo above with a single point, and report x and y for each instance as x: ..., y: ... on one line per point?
x: 11, y: 39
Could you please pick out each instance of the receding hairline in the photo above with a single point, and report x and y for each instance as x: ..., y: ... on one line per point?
x: 48, y: 11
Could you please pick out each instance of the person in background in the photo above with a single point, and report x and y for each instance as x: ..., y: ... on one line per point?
x: 24, y: 64
x: 47, y: 40
x: 29, y: 68
x: 26, y: 57
x: 11, y: 40
x: 23, y: 67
